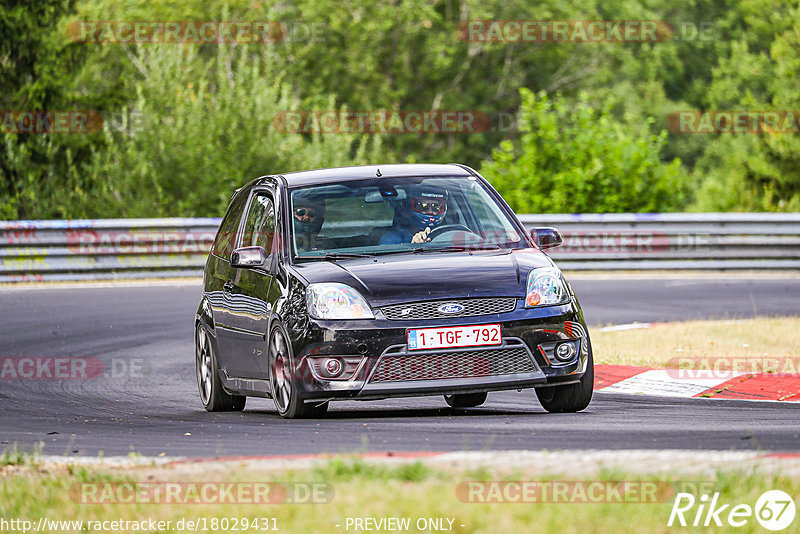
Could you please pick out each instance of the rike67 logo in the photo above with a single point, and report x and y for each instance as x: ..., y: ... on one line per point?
x: 774, y: 510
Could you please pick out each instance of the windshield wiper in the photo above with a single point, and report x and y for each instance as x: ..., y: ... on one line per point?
x: 332, y: 256
x: 453, y: 248
x: 344, y: 255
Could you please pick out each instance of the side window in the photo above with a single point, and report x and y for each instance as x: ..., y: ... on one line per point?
x: 259, y: 226
x: 226, y: 235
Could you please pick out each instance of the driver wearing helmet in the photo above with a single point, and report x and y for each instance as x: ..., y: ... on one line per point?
x: 308, y: 214
x: 416, y: 217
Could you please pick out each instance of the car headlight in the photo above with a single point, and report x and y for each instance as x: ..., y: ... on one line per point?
x: 336, y: 301
x: 545, y: 288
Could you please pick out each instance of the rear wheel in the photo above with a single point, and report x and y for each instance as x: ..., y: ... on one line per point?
x: 213, y: 397
x: 465, y: 400
x: 572, y: 397
x: 282, y: 381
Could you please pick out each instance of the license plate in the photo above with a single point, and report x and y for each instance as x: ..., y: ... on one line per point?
x: 454, y: 336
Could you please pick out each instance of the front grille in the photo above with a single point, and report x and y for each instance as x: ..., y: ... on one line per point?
x: 466, y: 364
x: 430, y: 309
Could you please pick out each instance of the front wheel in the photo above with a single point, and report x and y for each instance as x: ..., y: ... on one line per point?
x: 465, y: 400
x: 572, y: 397
x: 282, y: 381
x: 212, y: 395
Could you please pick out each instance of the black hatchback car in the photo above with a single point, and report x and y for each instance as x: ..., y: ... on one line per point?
x: 384, y: 281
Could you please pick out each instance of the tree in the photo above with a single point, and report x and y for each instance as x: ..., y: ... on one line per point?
x: 756, y: 171
x: 202, y: 127
x: 34, y: 63
x: 573, y: 158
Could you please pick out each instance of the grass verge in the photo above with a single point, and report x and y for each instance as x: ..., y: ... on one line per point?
x: 660, y: 345
x: 365, y: 490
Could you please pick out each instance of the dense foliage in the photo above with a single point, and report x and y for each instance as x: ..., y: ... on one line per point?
x: 572, y: 158
x: 575, y: 127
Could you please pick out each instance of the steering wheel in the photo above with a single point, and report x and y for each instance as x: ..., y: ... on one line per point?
x: 439, y: 230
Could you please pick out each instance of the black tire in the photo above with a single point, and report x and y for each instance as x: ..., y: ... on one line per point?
x: 282, y: 374
x: 572, y: 397
x: 212, y: 394
x: 465, y: 400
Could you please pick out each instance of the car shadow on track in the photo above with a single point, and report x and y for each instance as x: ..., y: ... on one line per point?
x: 404, y: 413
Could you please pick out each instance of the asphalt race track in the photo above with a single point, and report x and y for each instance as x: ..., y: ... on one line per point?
x: 149, y: 403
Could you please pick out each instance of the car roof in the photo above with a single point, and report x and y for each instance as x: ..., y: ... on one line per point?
x: 341, y: 174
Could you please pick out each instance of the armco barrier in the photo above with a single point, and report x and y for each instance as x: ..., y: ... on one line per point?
x: 136, y: 248
x: 674, y: 240
x: 104, y: 248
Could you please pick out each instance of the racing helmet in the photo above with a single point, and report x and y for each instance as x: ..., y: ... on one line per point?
x: 308, y: 213
x: 425, y: 207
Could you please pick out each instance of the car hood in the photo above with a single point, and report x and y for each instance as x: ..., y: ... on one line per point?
x: 394, y: 279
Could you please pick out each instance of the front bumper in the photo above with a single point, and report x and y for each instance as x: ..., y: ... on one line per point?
x: 387, y: 369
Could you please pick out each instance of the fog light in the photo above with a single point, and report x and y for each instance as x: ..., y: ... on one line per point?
x: 332, y: 367
x: 565, y: 352
x: 338, y: 367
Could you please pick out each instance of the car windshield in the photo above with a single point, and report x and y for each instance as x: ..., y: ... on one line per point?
x: 383, y: 215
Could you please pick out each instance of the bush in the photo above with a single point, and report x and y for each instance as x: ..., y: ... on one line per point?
x: 577, y: 159
x: 206, y: 129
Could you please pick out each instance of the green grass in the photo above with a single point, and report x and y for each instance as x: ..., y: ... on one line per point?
x: 663, y: 345
x: 345, y: 468
x: 366, y: 489
x: 13, y: 455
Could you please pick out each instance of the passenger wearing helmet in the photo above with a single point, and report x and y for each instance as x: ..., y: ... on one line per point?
x: 308, y: 214
x: 415, y: 217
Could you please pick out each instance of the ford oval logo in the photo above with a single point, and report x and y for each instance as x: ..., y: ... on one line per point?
x: 450, y: 308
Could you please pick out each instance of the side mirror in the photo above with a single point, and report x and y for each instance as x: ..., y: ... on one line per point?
x: 249, y: 257
x: 546, y: 237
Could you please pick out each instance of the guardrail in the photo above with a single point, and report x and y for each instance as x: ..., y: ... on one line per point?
x: 639, y: 241
x: 139, y: 248
x: 104, y: 248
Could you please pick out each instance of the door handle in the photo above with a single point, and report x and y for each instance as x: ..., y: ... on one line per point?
x: 228, y: 286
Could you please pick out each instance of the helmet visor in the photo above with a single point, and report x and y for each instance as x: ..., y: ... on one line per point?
x: 428, y: 205
x: 311, y: 213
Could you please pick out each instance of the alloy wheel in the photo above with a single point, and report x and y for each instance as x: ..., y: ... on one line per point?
x: 203, y: 364
x: 280, y: 371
